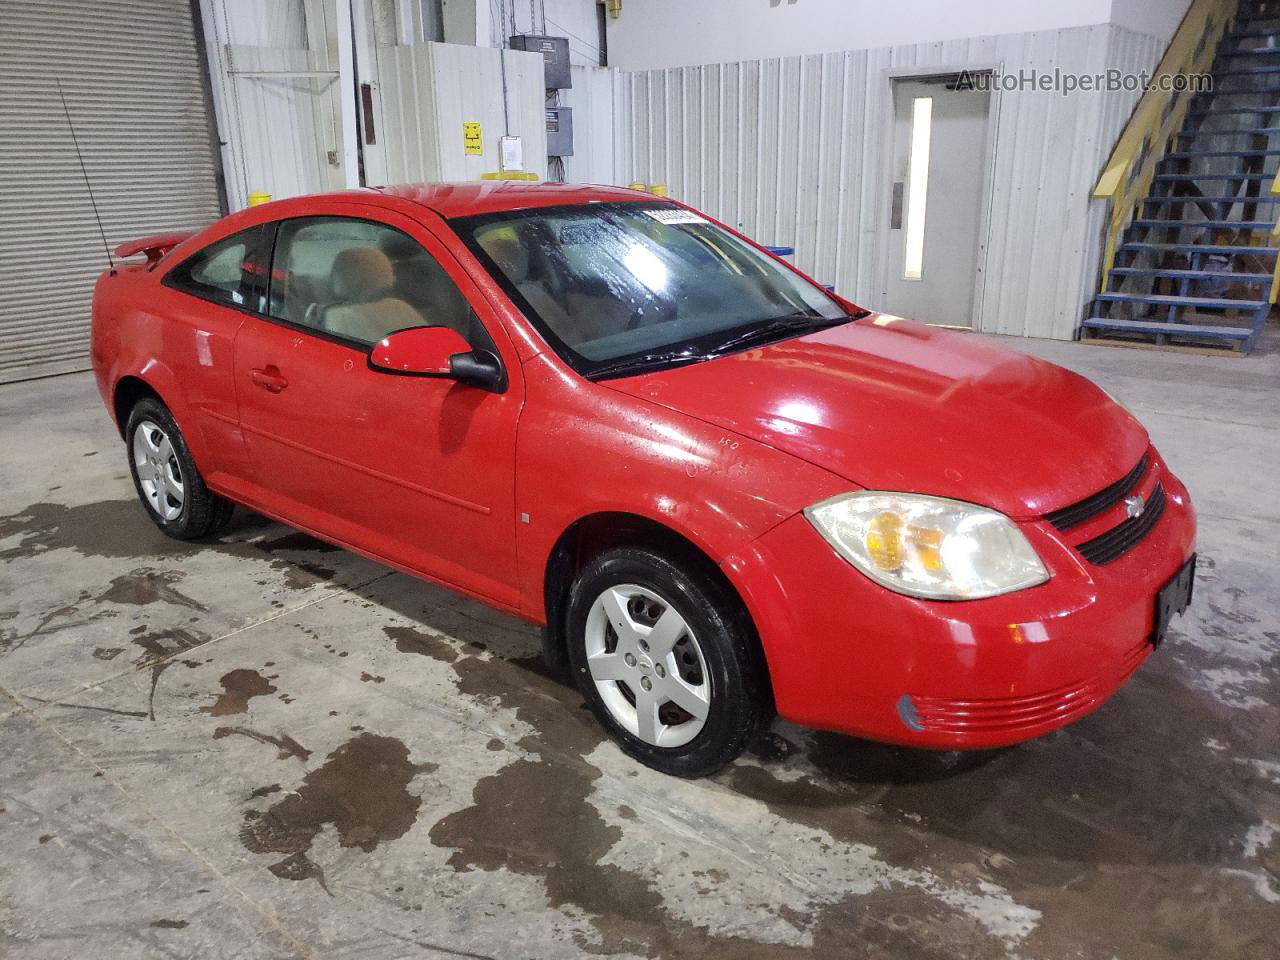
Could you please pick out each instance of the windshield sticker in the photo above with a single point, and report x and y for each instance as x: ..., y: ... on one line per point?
x: 677, y: 215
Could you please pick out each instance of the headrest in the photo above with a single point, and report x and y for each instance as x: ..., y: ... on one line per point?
x: 399, y: 246
x: 361, y: 274
x: 511, y: 256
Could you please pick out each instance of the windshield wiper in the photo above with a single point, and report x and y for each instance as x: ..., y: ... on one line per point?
x: 646, y: 361
x: 765, y: 333
x: 775, y: 329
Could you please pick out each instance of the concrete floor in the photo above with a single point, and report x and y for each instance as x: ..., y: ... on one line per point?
x: 264, y: 747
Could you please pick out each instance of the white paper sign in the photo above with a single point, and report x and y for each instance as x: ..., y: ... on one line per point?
x: 676, y: 215
x: 512, y: 154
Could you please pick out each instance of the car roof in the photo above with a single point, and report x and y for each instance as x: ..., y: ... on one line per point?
x: 496, y: 196
x: 448, y: 200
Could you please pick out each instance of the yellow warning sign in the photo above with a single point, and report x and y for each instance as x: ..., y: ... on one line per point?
x: 472, y: 141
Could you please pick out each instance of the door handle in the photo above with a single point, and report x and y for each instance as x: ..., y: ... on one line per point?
x: 268, y: 378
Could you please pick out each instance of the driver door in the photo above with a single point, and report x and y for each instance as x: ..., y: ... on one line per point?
x: 416, y: 471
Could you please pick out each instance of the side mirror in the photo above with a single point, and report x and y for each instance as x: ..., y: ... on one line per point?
x: 437, y: 352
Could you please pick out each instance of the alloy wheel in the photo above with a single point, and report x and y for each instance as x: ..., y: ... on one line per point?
x: 647, y: 666
x: 159, y: 475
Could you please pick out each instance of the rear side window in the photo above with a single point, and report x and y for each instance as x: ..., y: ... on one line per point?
x: 360, y: 280
x: 227, y: 272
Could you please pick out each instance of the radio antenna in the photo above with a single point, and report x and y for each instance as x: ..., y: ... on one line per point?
x: 85, y: 173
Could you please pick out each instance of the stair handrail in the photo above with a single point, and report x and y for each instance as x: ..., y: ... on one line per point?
x: 1275, y: 239
x: 1157, y: 118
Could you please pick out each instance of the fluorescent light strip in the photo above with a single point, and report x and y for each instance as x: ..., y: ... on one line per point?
x: 917, y: 186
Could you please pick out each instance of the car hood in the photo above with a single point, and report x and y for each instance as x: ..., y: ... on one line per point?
x: 890, y: 404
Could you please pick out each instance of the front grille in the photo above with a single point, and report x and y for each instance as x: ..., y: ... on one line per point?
x: 1123, y: 537
x: 1100, y: 502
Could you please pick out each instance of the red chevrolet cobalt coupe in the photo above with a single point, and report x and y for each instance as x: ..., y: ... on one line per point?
x: 722, y: 489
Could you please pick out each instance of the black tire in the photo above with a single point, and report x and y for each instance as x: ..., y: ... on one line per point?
x: 739, y: 701
x: 202, y: 512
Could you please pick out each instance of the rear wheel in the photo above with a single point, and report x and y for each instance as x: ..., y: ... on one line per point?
x: 165, y: 476
x: 665, y: 661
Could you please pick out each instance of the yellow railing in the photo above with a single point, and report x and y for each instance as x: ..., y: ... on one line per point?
x: 1159, y: 115
x: 1275, y: 239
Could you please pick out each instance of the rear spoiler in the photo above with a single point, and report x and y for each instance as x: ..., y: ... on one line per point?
x: 155, y: 246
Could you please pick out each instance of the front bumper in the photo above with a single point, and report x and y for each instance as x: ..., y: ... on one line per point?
x: 846, y: 654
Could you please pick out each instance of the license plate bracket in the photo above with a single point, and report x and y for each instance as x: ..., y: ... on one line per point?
x: 1172, y: 599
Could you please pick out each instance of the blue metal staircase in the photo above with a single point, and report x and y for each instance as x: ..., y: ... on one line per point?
x: 1196, y: 265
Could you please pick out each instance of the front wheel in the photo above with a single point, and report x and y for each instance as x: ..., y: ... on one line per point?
x: 165, y: 476
x: 665, y: 660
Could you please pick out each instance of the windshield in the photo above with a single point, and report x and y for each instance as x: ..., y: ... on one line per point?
x: 617, y: 288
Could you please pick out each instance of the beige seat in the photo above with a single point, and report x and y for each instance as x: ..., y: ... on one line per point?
x: 425, y: 285
x: 360, y: 283
x: 512, y: 258
x: 598, y: 315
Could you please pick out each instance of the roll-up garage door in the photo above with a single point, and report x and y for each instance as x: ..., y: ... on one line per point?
x: 132, y: 74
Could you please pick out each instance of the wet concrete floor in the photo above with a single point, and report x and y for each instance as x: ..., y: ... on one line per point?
x: 266, y: 747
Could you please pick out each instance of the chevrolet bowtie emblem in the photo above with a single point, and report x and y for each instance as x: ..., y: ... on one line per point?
x: 1133, y: 507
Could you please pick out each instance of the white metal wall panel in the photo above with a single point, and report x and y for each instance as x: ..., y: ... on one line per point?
x: 407, y: 113
x: 591, y: 99
x: 266, y: 23
x: 133, y: 81
x: 274, y: 72
x: 283, y: 123
x: 426, y: 92
x: 1128, y: 52
x: 795, y: 151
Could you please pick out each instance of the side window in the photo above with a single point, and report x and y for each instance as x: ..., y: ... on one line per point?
x: 225, y: 272
x: 362, y: 280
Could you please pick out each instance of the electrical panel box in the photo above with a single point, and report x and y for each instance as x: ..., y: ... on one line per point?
x: 555, y: 57
x: 559, y: 132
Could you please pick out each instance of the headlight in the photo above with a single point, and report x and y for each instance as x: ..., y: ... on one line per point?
x: 928, y: 546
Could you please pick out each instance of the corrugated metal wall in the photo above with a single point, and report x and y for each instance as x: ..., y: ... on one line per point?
x: 275, y: 91
x: 134, y: 83
x: 426, y: 92
x: 796, y: 150
x: 591, y: 99
x: 285, y: 127
x: 1128, y: 52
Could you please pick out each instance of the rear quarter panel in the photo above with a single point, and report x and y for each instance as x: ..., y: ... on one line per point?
x: 181, y: 347
x: 111, y: 294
